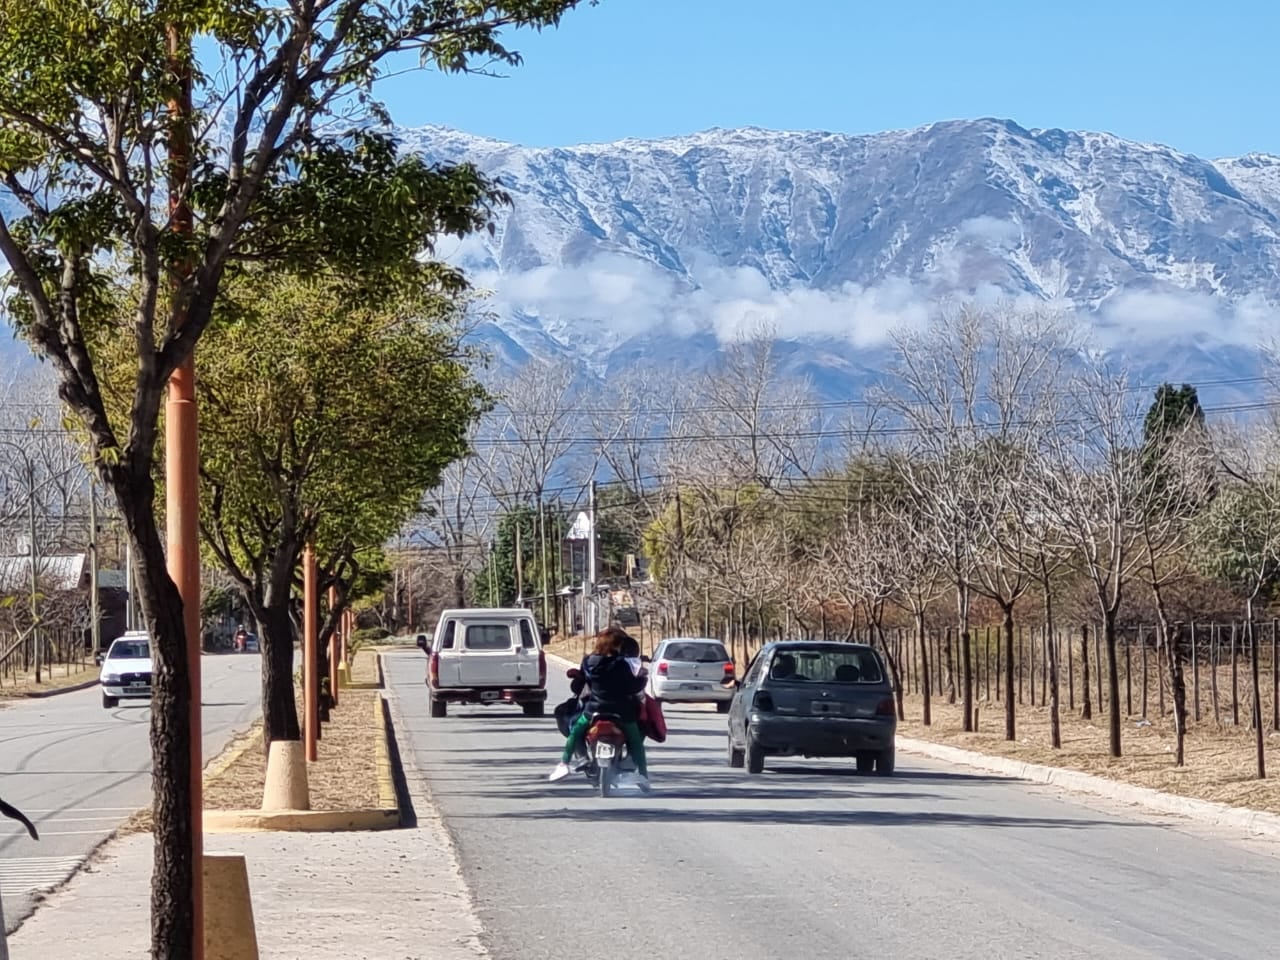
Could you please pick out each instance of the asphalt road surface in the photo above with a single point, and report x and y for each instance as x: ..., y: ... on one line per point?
x: 78, y: 771
x: 811, y: 860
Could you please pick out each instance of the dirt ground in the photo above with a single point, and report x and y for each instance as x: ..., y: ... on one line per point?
x: 26, y: 685
x: 345, y: 777
x: 1221, y: 763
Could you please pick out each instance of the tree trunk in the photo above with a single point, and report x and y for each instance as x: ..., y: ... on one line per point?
x: 1113, y: 681
x: 1051, y: 655
x: 1215, y: 643
x: 279, y: 705
x: 1259, y: 738
x: 1172, y: 646
x: 174, y: 873
x: 1086, y: 703
x: 1009, y: 707
x: 1235, y: 678
x: 922, y: 636
x: 949, y: 677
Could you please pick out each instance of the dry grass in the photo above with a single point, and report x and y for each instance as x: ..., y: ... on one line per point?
x: 345, y: 777
x: 26, y: 685
x: 1220, y: 762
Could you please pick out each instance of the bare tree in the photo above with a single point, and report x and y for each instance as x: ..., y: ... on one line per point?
x: 1093, y: 488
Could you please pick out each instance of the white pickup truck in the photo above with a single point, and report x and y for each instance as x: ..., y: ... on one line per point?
x: 486, y: 656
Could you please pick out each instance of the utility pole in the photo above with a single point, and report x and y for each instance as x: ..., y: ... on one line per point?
x: 519, y: 567
x: 31, y: 553
x: 680, y: 560
x: 310, y: 661
x: 542, y: 560
x: 592, y: 618
x: 182, y: 503
x: 95, y: 611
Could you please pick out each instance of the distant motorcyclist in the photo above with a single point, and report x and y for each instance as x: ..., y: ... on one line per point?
x: 612, y: 687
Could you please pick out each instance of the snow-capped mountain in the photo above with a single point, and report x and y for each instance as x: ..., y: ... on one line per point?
x: 659, y: 249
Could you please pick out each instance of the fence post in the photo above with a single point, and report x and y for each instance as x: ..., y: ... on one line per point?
x: 1195, y: 674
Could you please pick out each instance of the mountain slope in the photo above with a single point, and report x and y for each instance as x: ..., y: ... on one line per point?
x: 842, y: 237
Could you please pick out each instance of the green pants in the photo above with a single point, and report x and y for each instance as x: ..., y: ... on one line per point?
x: 630, y: 729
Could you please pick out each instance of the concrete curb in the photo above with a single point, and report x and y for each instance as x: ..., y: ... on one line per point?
x: 44, y: 694
x: 300, y: 821
x: 1256, y: 822
x: 387, y: 798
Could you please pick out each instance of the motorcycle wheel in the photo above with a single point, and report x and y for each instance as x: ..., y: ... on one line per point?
x: 606, y: 780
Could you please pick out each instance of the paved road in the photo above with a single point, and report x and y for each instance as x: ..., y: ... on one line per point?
x: 78, y: 771
x: 813, y: 860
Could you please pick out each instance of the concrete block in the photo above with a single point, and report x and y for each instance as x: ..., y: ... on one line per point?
x: 229, y: 932
x: 286, y: 786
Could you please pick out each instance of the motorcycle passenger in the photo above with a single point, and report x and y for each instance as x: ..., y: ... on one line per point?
x: 613, y: 687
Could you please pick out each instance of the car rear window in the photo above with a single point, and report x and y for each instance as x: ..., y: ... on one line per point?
x: 526, y: 635
x: 696, y: 652
x: 826, y: 666
x: 129, y: 650
x: 488, y: 636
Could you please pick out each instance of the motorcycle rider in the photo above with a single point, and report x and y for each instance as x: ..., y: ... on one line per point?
x: 613, y: 688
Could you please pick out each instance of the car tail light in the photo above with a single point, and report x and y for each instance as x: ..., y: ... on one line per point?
x: 542, y: 668
x: 728, y: 670
x: 663, y: 667
x: 763, y: 700
x: 434, y: 670
x: 886, y: 708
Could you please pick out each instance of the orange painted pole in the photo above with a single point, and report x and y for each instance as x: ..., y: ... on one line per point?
x: 310, y: 661
x: 335, y: 646
x: 182, y: 480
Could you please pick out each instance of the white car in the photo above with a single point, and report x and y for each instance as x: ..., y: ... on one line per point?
x: 126, y: 670
x: 692, y: 670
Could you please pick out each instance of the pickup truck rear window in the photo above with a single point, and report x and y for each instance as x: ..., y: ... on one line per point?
x: 526, y: 635
x: 488, y: 636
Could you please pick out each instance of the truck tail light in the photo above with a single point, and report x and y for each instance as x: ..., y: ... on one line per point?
x: 434, y: 670
x: 542, y: 668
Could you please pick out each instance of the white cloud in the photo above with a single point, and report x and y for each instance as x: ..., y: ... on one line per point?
x: 992, y: 232
x: 623, y: 296
x: 1152, y: 316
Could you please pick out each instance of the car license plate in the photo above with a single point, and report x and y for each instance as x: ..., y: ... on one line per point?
x: 693, y: 686
x: 604, y: 751
x: 137, y: 684
x: 490, y: 694
x: 826, y: 707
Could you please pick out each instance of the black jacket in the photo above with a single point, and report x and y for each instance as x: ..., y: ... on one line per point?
x: 613, y: 686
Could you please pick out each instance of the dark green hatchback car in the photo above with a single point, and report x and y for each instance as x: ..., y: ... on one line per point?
x: 814, y: 699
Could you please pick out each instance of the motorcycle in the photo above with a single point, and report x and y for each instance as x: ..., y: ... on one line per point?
x: 603, y: 756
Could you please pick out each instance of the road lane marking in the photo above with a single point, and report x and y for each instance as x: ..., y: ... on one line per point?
x: 22, y: 875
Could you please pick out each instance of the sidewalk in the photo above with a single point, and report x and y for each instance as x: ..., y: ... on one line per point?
x: 388, y: 895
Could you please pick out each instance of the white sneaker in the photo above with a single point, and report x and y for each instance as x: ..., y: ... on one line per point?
x: 559, y: 773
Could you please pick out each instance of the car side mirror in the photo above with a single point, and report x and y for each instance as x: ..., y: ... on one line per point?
x: 422, y: 642
x: 98, y: 658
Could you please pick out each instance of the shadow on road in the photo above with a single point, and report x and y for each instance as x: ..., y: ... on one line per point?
x: 606, y: 811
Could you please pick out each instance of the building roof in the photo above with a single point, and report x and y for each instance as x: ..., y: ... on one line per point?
x: 60, y: 573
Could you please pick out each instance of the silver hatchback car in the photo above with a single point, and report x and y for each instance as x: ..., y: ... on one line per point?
x: 692, y: 670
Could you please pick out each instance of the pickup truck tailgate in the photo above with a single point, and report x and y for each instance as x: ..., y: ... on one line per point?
x: 491, y: 655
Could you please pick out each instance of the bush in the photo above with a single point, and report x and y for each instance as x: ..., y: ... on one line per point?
x: 369, y: 635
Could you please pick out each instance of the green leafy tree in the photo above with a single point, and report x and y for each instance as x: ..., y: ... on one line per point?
x: 330, y: 438
x: 510, y: 580
x: 147, y: 165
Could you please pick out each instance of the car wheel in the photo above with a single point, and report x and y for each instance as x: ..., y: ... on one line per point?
x: 534, y: 709
x: 884, y: 763
x: 755, y: 757
x: 736, y: 758
x: 866, y: 762
x: 722, y: 706
x: 110, y: 702
x: 438, y: 708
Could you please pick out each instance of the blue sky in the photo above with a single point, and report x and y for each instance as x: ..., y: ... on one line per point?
x: 1196, y: 76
